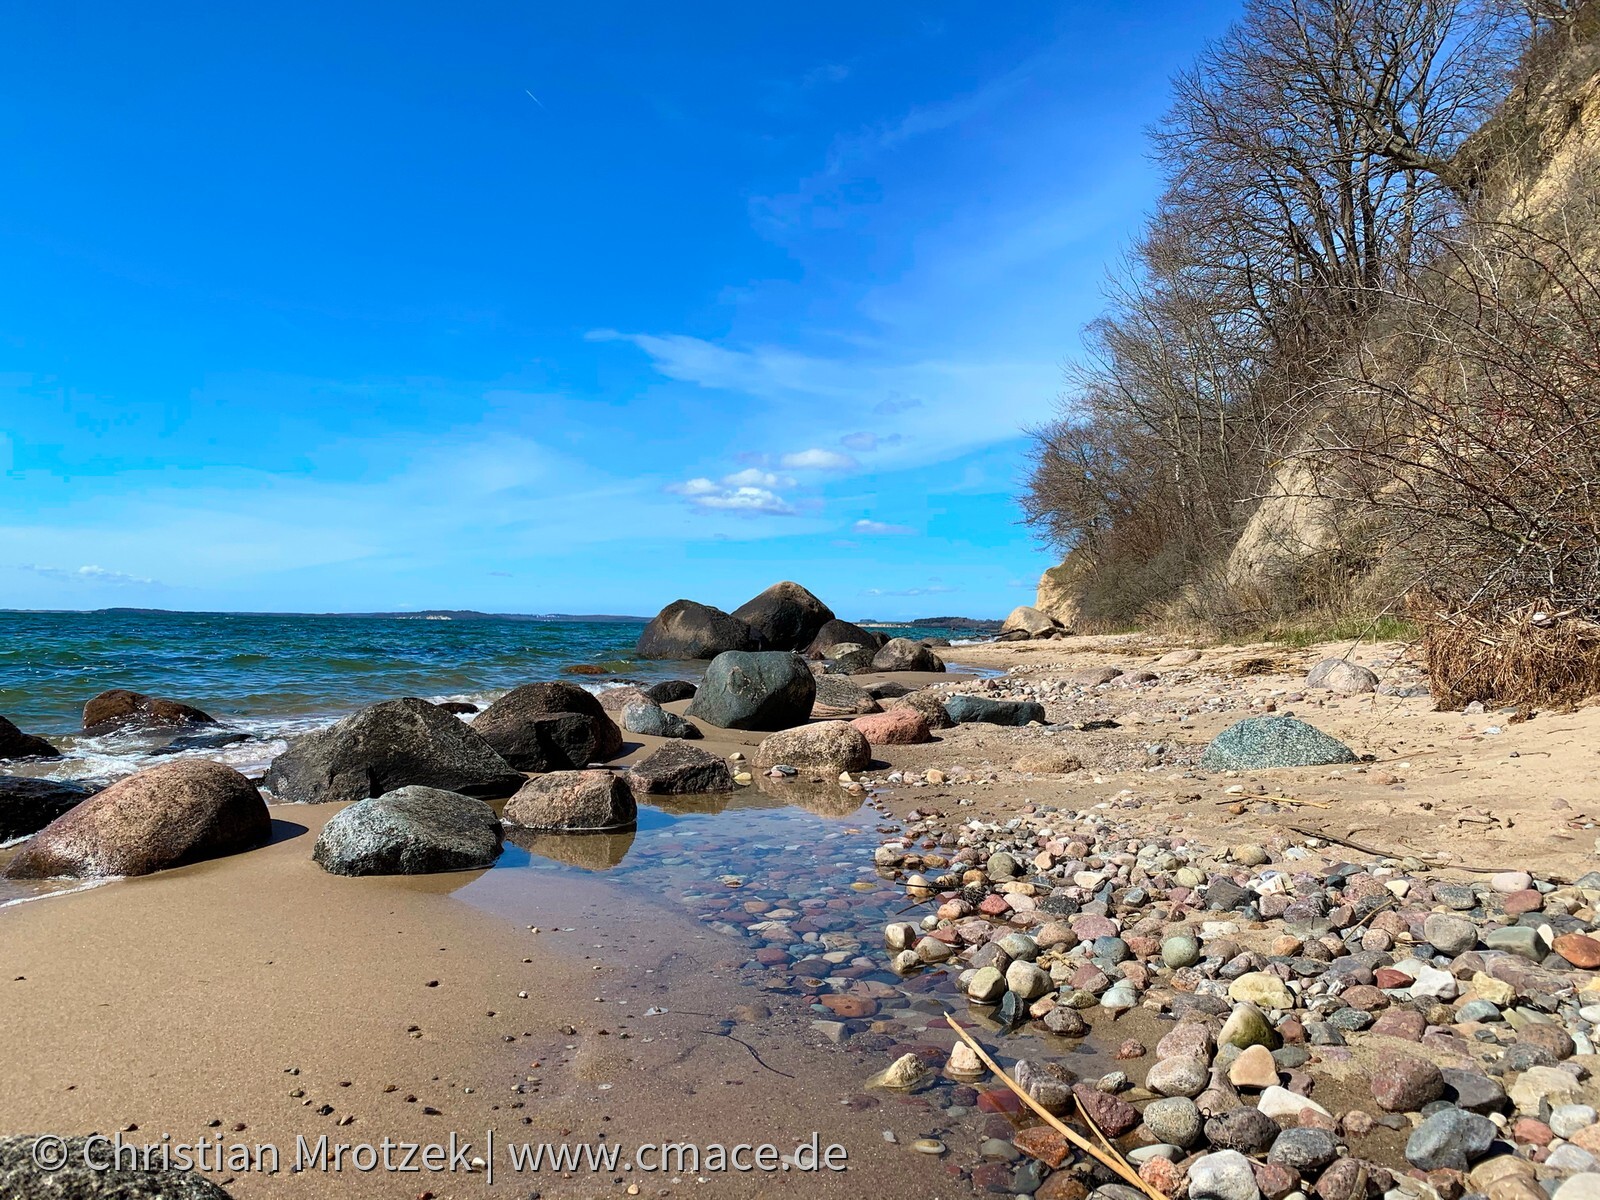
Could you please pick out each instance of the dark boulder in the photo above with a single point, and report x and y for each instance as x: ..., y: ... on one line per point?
x: 410, y: 831
x: 573, y: 800
x: 385, y: 747
x: 202, y: 741
x: 89, y: 1173
x: 763, y: 690
x: 458, y: 708
x: 549, y: 727
x: 179, y: 812
x: 931, y: 705
x: 680, y: 769
x: 28, y: 805
x: 16, y: 744
x: 902, y: 654
x: 685, y: 629
x: 669, y: 690
x: 615, y: 699
x: 849, y: 660
x: 842, y: 633
x: 785, y: 616
x: 966, y: 710
x: 122, y: 709
x: 654, y: 721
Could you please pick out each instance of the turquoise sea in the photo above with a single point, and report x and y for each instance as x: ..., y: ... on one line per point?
x: 270, y: 676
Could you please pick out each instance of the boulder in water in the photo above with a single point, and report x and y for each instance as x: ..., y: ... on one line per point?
x: 831, y: 746
x: 970, y: 710
x: 669, y: 690
x: 176, y: 813
x: 842, y: 633
x: 122, y: 709
x: 650, y: 719
x: 785, y: 616
x: 22, y: 1178
x: 389, y: 746
x: 685, y: 629
x: 410, y: 831
x: 573, y: 801
x: 762, y: 690
x: 549, y: 727
x: 1260, y: 743
x: 28, y: 805
x: 16, y: 744
x: 902, y: 654
x: 680, y: 769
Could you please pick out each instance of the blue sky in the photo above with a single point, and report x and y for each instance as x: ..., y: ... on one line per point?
x: 531, y: 307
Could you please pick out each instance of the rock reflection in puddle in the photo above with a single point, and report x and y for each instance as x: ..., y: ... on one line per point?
x: 587, y: 851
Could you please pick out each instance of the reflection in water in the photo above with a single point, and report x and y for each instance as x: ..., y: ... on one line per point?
x: 823, y: 799
x: 590, y: 851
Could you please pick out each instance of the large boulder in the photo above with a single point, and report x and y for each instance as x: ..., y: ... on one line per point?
x: 831, y: 746
x: 1260, y: 743
x: 1029, y: 620
x: 842, y: 633
x: 122, y: 709
x: 385, y: 747
x: 969, y: 710
x: 902, y: 654
x: 763, y: 690
x: 16, y: 744
x: 549, y: 727
x: 84, y: 1169
x: 930, y: 704
x: 28, y: 805
x: 648, y: 718
x: 680, y: 769
x: 573, y: 801
x: 785, y: 616
x: 685, y: 629
x: 838, y: 697
x: 614, y: 700
x: 669, y: 690
x: 1343, y: 676
x: 903, y: 727
x: 410, y: 831
x: 848, y: 659
x: 179, y: 812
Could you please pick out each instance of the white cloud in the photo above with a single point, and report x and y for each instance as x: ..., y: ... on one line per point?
x: 89, y: 574
x: 880, y: 528
x: 933, y: 589
x: 818, y: 460
x: 751, y: 500
x: 755, y: 477
x: 694, y: 487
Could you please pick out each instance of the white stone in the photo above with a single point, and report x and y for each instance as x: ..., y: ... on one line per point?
x: 1278, y: 1102
x: 1225, y: 1175
x: 1567, y: 1119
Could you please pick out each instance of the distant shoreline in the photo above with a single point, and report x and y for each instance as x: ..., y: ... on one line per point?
x: 977, y: 624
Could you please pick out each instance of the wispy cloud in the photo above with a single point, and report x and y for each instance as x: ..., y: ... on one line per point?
x: 818, y: 460
x: 90, y: 574
x: 865, y: 442
x: 708, y: 495
x: 880, y: 528
x: 933, y: 589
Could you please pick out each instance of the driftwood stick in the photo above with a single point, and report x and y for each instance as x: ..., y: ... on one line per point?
x: 1112, y: 1161
x: 1325, y: 836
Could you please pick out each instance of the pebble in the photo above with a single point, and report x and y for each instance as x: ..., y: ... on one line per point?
x: 1174, y: 1120
x: 1224, y: 1175
x: 1451, y: 1138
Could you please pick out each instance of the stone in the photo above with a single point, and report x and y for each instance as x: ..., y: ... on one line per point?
x: 678, y: 769
x: 1248, y: 1026
x: 165, y: 816
x: 1507, y: 882
x: 1254, y: 1068
x: 964, y: 1062
x: 1451, y: 1138
x: 830, y: 746
x: 685, y: 629
x: 1549, y: 1037
x: 1305, y: 1151
x: 615, y: 699
x: 549, y: 727
x: 1582, y: 1186
x: 651, y: 720
x: 784, y: 617
x: 1345, y: 1179
x: 1223, y: 1175
x: 930, y: 704
x: 902, y: 727
x: 1262, y: 989
x: 1029, y: 620
x: 767, y: 690
x: 1450, y: 934
x: 1517, y: 939
x: 903, y: 654
x: 1247, y: 1130
x: 1049, y: 1083
x: 1260, y: 743
x: 1567, y: 1119
x: 15, y: 744
x: 1180, y: 951
x: 1066, y: 1022
x: 1538, y: 1086
x: 1178, y: 1077
x: 27, y: 805
x: 1048, y: 762
x: 22, y: 1178
x: 1174, y: 1120
x: 1404, y: 1084
x: 1028, y: 981
x: 574, y: 801
x: 841, y: 633
x: 1278, y: 1103
x: 670, y: 690
x: 1114, y: 1115
x: 1473, y: 1091
x: 389, y: 746
x: 964, y: 710
x: 410, y: 831
x: 1342, y: 676
x: 119, y: 709
x: 1579, y: 949
x: 839, y: 699
x: 907, y: 1073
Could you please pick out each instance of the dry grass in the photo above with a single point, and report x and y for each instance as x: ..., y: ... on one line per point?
x: 1531, y: 657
